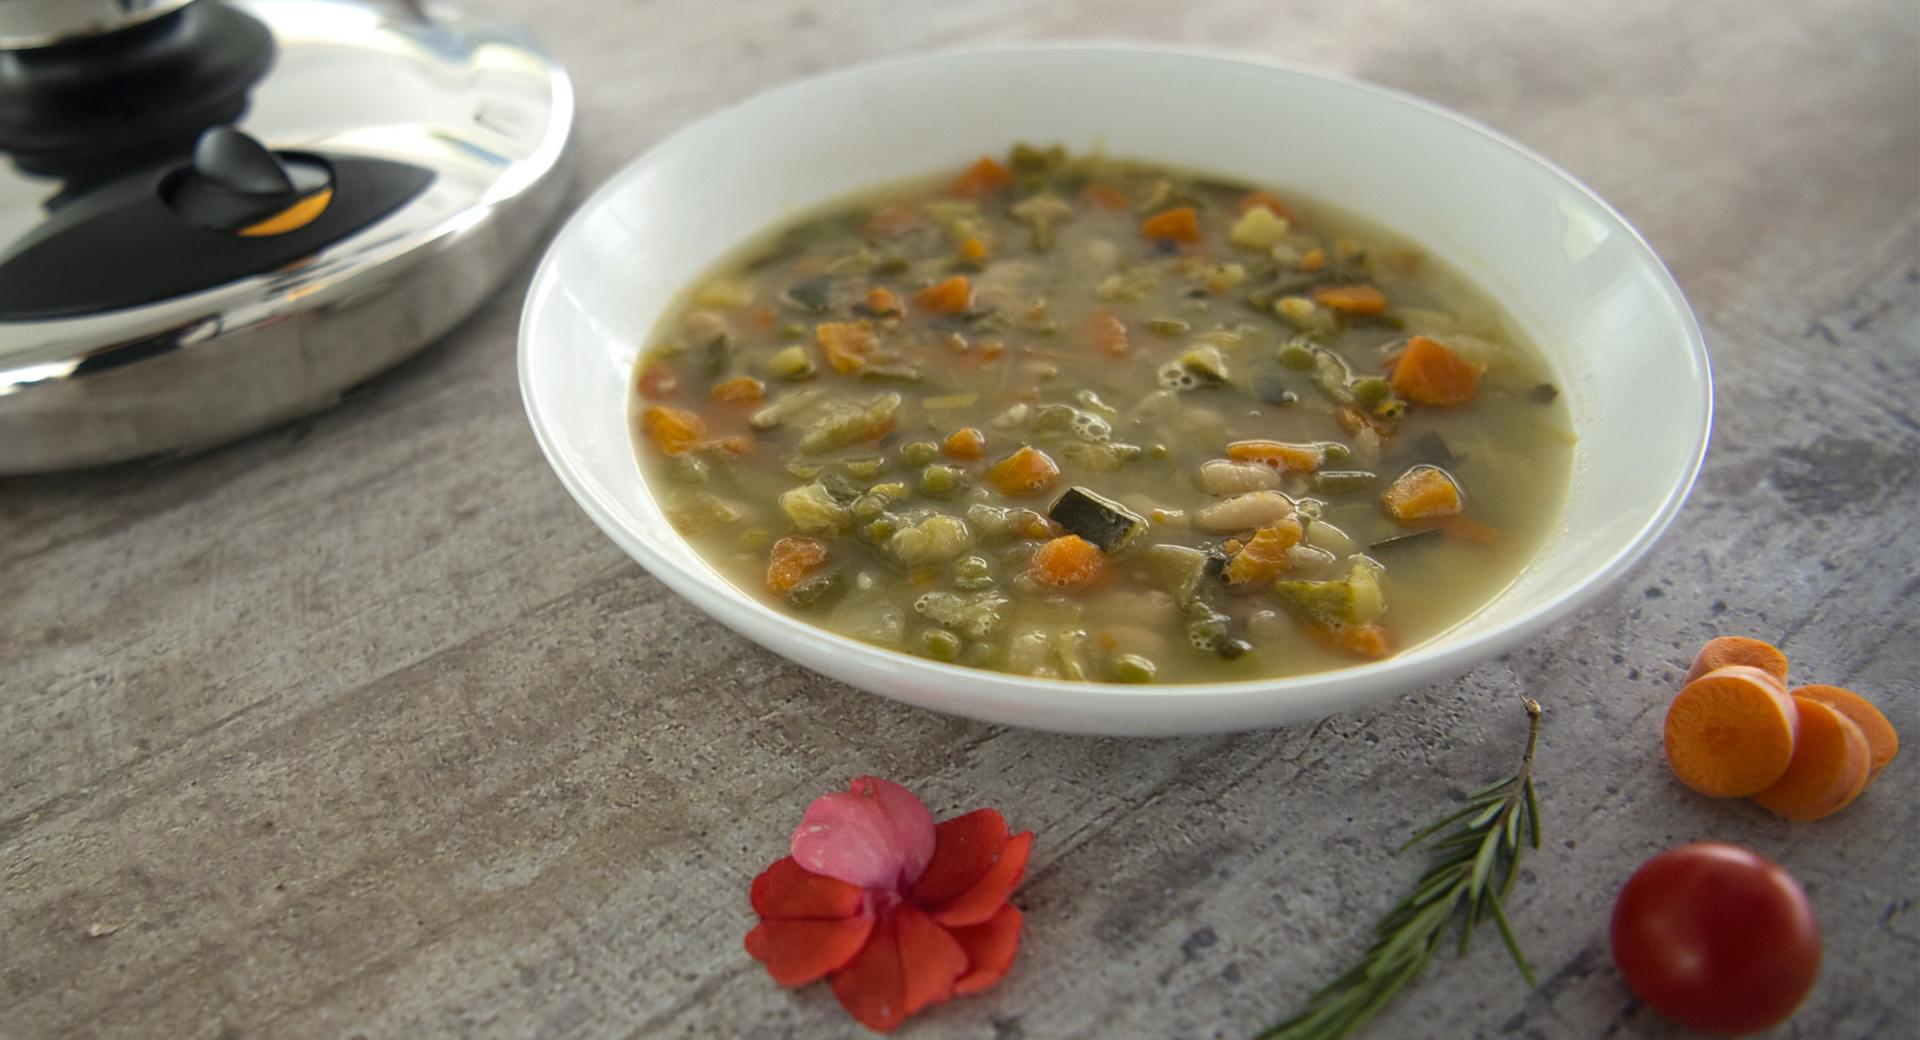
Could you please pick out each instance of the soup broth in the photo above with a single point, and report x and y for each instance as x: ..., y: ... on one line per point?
x: 1088, y: 418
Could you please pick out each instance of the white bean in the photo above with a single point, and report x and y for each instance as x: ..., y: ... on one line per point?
x: 1244, y: 512
x: 1221, y: 477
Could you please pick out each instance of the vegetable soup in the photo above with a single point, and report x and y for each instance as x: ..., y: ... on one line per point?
x: 1087, y: 418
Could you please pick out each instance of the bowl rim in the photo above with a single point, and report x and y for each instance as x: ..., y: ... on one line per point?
x: 1321, y: 692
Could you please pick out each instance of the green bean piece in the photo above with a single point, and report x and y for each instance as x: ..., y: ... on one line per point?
x: 1343, y: 481
x: 790, y: 363
x: 1167, y: 327
x: 817, y: 591
x: 1133, y: 668
x: 940, y: 644
x: 919, y: 453
x: 1297, y: 355
x: 686, y: 469
x: 1334, y: 453
x: 793, y: 330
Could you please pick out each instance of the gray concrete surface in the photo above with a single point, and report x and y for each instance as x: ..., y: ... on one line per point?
x: 359, y: 728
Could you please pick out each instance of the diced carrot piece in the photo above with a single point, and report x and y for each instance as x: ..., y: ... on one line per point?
x: 1265, y: 554
x: 847, y: 344
x: 1351, y: 299
x: 740, y: 388
x: 897, y: 219
x: 1180, y: 225
x: 1883, y: 741
x: 1422, y: 493
x: 952, y: 296
x: 791, y: 560
x: 1261, y: 198
x: 983, y: 178
x: 673, y: 430
x: 1470, y: 531
x: 1830, y: 765
x: 1108, y: 333
x: 1731, y: 733
x: 966, y: 443
x: 1429, y: 373
x: 1315, y: 259
x: 1100, y: 196
x: 882, y: 302
x: 658, y: 379
x: 1289, y: 458
x: 973, y: 249
x: 1755, y: 653
x: 1367, y: 639
x: 1066, y: 562
x: 1024, y: 472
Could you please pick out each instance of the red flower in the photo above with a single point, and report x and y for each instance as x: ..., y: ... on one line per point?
x: 899, y: 913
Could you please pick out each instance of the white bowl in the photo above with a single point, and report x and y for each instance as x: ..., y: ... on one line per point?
x: 1618, y: 334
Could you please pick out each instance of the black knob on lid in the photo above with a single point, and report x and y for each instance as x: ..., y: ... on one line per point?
x: 235, y: 183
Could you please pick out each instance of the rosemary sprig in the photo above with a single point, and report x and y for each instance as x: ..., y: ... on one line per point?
x: 1483, y: 846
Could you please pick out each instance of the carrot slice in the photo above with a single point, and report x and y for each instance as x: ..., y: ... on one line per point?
x: 1180, y: 225
x: 952, y: 296
x: 1754, y: 653
x: 847, y: 344
x: 1830, y: 764
x: 983, y: 178
x: 1023, y: 472
x: 973, y: 249
x: 966, y: 443
x: 1353, y: 299
x: 740, y: 388
x: 882, y: 302
x: 1730, y: 733
x: 1429, y: 373
x: 1883, y: 742
x: 1368, y: 639
x: 1290, y: 458
x: 1108, y: 333
x: 790, y: 561
x: 1066, y: 562
x: 657, y: 379
x: 1100, y: 196
x: 1265, y: 554
x: 1314, y: 260
x: 672, y: 430
x: 1421, y: 493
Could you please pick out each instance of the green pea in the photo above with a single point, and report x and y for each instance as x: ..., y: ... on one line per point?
x: 865, y: 468
x: 1158, y: 451
x: 939, y: 480
x: 1132, y: 668
x: 919, y: 453
x: 1297, y: 355
x: 1335, y: 453
x: 1371, y: 390
x: 972, y: 572
x: 940, y: 644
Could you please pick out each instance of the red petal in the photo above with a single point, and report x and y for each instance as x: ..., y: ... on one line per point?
x: 987, y: 895
x: 786, y: 891
x: 798, y: 952
x: 963, y: 849
x: 990, y: 948
x: 909, y: 963
x: 875, y: 835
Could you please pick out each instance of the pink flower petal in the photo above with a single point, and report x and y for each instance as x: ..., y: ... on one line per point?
x: 875, y: 835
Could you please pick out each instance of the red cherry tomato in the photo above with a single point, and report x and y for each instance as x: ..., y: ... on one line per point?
x: 1716, y: 938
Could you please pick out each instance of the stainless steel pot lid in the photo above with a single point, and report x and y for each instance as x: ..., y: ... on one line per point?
x: 344, y: 180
